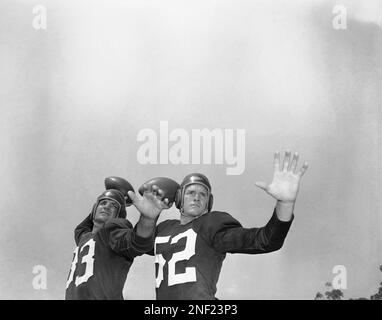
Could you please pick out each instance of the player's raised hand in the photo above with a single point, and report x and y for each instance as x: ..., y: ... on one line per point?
x: 286, y: 179
x: 151, y: 204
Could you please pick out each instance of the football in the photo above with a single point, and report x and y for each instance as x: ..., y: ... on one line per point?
x: 119, y: 184
x: 167, y: 185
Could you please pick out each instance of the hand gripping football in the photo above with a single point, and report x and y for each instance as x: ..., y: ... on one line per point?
x: 167, y: 185
x: 121, y: 185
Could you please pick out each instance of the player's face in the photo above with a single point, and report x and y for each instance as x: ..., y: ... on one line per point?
x: 195, y: 200
x: 106, y: 210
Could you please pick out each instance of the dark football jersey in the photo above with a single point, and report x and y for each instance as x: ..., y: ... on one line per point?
x: 101, y: 261
x: 188, y: 258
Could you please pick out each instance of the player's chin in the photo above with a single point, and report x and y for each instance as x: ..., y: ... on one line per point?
x: 195, y: 211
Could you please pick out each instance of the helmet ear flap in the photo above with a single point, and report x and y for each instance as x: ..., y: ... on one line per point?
x: 210, y: 202
x: 94, y: 209
x: 178, y: 198
x: 122, y: 213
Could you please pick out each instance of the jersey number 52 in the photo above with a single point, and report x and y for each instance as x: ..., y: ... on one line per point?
x: 176, y: 278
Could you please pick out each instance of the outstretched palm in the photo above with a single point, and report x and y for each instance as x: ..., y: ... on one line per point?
x: 286, y: 181
x: 151, y: 204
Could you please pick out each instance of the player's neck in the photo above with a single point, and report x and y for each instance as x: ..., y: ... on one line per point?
x: 185, y: 219
x: 96, y: 227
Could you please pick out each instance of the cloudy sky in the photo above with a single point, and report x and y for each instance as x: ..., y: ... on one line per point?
x: 292, y: 74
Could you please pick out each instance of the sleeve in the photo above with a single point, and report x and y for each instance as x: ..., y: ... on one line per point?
x: 227, y: 235
x: 151, y: 251
x: 124, y: 240
x: 84, y: 227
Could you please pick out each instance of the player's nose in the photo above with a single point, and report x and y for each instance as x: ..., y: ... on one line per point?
x: 107, y: 205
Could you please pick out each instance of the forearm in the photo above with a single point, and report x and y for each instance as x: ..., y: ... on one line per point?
x: 126, y: 240
x: 234, y: 238
x: 145, y: 226
x: 266, y: 239
x: 284, y: 210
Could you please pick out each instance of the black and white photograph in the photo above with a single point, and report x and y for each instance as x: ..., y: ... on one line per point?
x: 212, y: 150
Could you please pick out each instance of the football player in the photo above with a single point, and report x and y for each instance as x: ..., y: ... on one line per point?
x: 107, y: 243
x: 189, y: 252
